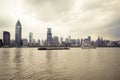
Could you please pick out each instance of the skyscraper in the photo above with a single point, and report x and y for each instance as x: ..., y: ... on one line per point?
x: 1, y: 43
x: 49, y: 37
x: 30, y: 38
x: 61, y: 40
x: 6, y: 38
x: 55, y: 41
x: 24, y: 42
x: 38, y: 43
x: 89, y: 38
x: 18, y: 34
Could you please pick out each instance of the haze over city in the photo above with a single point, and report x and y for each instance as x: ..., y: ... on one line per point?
x: 78, y: 18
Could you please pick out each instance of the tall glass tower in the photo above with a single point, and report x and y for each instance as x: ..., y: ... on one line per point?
x: 49, y: 37
x: 6, y: 38
x: 18, y: 34
x: 30, y: 39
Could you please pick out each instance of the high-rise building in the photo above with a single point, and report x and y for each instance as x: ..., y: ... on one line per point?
x: 30, y: 38
x: 1, y: 44
x: 69, y: 39
x: 12, y: 43
x: 34, y: 42
x: 49, y: 37
x: 87, y: 41
x: 55, y: 41
x: 78, y: 42
x: 6, y: 38
x: 89, y: 38
x: 61, y: 39
x: 43, y: 43
x: 25, y: 42
x: 38, y: 43
x: 18, y: 34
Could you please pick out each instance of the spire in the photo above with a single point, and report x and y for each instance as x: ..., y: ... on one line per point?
x: 18, y: 23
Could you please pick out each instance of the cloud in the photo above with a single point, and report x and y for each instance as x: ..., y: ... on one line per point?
x: 101, y: 5
x: 114, y: 28
x: 49, y: 10
x: 73, y: 17
x: 5, y: 22
x: 96, y: 16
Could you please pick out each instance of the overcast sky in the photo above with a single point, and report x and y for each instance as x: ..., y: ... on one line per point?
x: 78, y: 18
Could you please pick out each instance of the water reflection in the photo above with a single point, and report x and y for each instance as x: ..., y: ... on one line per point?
x: 31, y: 64
x: 5, y: 56
x: 5, y: 69
x: 18, y: 63
x: 53, y: 68
x: 31, y: 57
x: 49, y: 63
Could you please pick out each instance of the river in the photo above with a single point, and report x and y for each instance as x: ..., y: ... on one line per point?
x: 73, y: 64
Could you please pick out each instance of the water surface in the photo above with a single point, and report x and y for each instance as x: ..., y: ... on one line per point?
x: 74, y: 64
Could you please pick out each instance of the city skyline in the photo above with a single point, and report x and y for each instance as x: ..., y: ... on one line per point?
x: 77, y: 18
x: 51, y: 41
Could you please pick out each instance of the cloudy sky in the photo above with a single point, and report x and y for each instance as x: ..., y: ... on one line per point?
x: 78, y: 18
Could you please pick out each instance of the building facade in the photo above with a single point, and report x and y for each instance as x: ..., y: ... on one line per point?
x: 30, y: 39
x: 12, y: 43
x: 25, y: 42
x: 55, y: 41
x: 18, y: 34
x: 49, y: 37
x: 1, y: 44
x: 6, y: 38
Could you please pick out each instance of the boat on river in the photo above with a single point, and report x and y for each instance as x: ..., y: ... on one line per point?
x: 53, y: 48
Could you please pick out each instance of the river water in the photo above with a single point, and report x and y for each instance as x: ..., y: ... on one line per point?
x: 73, y: 64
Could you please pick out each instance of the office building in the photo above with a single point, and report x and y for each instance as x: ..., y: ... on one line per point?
x: 18, y: 34
x: 12, y: 43
x: 1, y: 44
x: 6, y: 38
x: 30, y: 38
x: 49, y: 37
x: 24, y: 42
x: 61, y: 40
x: 55, y: 41
x: 38, y: 43
x: 89, y: 38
